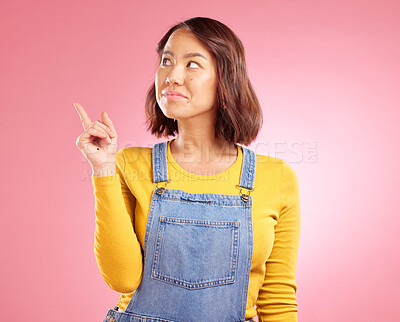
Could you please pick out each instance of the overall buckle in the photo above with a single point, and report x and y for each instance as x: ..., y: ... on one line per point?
x: 244, y: 196
x: 160, y: 190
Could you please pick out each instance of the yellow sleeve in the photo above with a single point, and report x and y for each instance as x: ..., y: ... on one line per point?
x: 277, y: 297
x: 116, y: 246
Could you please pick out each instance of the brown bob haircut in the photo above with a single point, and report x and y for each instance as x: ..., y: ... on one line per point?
x: 239, y: 116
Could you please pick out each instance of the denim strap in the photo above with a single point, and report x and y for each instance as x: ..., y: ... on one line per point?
x: 159, y: 160
x: 248, y: 169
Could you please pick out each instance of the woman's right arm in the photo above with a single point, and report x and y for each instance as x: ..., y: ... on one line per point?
x: 116, y: 246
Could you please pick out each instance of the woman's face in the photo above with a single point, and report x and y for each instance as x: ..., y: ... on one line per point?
x: 186, y: 67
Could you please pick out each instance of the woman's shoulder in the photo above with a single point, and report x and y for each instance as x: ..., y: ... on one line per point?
x: 276, y: 171
x: 262, y: 158
x: 270, y: 164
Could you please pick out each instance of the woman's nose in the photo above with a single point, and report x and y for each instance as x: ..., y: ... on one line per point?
x: 175, y: 76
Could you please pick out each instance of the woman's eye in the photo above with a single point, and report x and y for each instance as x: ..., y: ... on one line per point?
x: 191, y: 64
x: 163, y: 61
x: 197, y: 65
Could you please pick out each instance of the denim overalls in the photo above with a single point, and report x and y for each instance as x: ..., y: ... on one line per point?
x: 197, y: 252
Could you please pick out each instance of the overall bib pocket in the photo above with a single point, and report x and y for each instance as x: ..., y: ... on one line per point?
x: 193, y: 253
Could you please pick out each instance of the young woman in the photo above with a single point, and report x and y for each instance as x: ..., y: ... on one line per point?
x: 197, y: 228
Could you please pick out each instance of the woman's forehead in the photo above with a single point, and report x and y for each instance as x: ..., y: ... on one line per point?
x: 184, y: 41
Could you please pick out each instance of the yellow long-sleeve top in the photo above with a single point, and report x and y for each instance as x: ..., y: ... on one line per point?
x: 122, y: 203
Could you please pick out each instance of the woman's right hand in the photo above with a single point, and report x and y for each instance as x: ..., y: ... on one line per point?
x: 98, y: 142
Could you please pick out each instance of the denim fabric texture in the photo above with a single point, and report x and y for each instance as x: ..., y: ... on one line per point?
x: 197, y: 252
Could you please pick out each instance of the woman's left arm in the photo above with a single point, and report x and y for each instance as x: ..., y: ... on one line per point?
x: 277, y: 296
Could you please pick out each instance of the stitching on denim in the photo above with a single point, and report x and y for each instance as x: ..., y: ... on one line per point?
x: 180, y: 195
x: 196, y: 286
x: 200, y: 222
x: 149, y: 220
x: 162, y: 157
x: 160, y: 167
x: 145, y: 248
x: 141, y: 317
x: 242, y: 181
x: 249, y: 216
x: 153, y: 163
x: 229, y: 279
x: 239, y: 204
x: 160, y: 231
x: 248, y: 169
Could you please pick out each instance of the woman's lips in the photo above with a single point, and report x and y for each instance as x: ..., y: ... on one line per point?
x: 174, y: 96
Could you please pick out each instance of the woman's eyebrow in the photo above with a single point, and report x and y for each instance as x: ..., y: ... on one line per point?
x: 186, y: 55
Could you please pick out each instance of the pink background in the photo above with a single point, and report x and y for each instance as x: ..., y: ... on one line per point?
x: 327, y: 75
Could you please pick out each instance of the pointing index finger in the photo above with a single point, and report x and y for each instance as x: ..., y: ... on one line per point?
x: 85, y: 119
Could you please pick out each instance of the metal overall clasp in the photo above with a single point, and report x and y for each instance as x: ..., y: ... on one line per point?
x: 245, y: 197
x: 110, y: 318
x: 160, y: 190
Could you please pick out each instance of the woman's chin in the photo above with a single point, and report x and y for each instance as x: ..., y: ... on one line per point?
x: 174, y: 113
